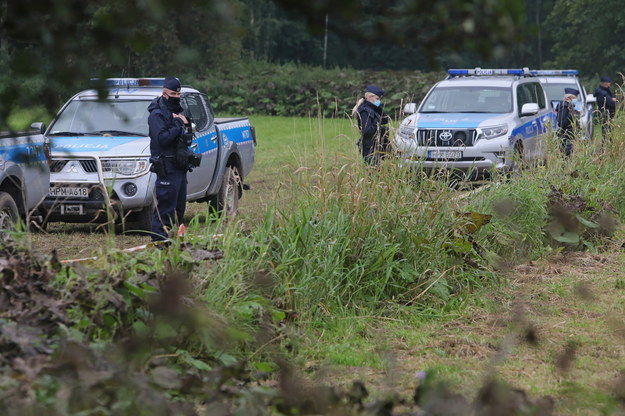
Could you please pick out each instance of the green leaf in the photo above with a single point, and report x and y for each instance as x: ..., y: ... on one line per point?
x: 226, y: 359
x: 587, y: 223
x: 568, y: 238
x: 199, y: 364
x: 263, y: 366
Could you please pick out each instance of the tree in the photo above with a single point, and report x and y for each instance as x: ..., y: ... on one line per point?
x: 586, y: 36
x: 53, y: 47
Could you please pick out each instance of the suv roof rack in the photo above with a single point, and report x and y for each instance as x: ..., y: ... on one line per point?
x: 452, y: 73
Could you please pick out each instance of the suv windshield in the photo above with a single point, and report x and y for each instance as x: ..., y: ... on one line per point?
x: 115, y: 117
x: 556, y: 91
x: 468, y: 100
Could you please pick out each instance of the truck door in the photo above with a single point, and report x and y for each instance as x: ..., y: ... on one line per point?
x: 204, y: 143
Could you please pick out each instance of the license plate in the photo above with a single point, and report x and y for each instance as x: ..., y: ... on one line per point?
x: 69, y: 191
x: 444, y: 154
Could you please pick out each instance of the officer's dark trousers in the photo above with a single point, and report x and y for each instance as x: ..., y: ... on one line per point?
x: 566, y: 142
x: 171, y: 195
x: 374, y: 149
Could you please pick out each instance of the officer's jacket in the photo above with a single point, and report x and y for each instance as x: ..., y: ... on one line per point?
x: 369, y: 119
x: 566, y: 116
x: 604, y: 99
x: 164, y: 128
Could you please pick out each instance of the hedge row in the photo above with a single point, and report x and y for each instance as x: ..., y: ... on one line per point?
x: 296, y: 90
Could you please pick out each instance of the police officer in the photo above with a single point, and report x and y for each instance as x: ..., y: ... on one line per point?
x: 606, y: 104
x: 167, y: 125
x: 374, y: 143
x: 567, y: 119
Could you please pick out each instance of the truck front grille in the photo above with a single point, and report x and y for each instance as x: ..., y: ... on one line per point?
x: 88, y: 165
x: 446, y: 137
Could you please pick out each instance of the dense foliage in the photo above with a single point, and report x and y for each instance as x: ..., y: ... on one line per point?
x: 50, y: 50
x: 262, y: 88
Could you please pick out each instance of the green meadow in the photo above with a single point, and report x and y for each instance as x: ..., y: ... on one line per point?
x: 341, y: 272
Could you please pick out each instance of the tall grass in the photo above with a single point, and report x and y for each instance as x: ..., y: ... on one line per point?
x: 338, y: 238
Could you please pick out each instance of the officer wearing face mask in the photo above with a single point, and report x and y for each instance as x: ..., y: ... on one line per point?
x: 374, y: 143
x: 167, y: 124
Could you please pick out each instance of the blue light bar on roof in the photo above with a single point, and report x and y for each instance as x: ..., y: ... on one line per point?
x: 480, y: 71
x: 133, y: 82
x: 547, y: 72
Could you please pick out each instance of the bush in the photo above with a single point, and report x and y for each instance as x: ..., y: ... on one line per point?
x: 297, y: 90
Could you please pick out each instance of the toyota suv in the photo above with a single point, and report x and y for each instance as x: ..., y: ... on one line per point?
x: 475, y: 121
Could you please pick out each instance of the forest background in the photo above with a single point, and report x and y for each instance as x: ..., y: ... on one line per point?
x: 285, y: 57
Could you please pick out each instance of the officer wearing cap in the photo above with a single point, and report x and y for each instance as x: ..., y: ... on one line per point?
x: 167, y: 125
x: 567, y: 118
x: 606, y: 104
x: 374, y: 143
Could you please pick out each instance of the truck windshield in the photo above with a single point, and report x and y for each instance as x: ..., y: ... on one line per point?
x: 115, y: 117
x: 468, y: 99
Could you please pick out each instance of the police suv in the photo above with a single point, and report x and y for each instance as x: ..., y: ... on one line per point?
x: 24, y: 176
x: 100, y: 151
x: 555, y: 81
x: 477, y: 120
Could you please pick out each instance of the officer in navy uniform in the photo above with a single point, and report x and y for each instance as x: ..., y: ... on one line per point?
x: 167, y: 125
x: 567, y: 119
x: 374, y: 143
x: 606, y: 104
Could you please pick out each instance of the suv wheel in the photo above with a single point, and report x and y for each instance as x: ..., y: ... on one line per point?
x: 517, y: 163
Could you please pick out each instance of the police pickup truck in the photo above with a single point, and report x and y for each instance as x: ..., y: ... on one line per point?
x: 100, y: 151
x: 475, y: 121
x: 24, y: 176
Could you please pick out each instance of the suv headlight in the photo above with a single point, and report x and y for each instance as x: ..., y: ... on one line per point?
x: 494, y: 131
x: 124, y: 167
x: 407, y: 132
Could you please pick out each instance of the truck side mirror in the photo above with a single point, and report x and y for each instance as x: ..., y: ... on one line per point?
x: 39, y: 126
x: 410, y: 108
x: 591, y: 99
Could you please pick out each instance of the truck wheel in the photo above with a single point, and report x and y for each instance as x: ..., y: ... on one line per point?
x: 8, y: 211
x: 143, y: 218
x: 229, y: 193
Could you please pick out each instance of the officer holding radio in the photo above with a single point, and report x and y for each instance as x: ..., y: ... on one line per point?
x: 168, y: 129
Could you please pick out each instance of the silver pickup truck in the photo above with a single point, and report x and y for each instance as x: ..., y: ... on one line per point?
x: 24, y: 176
x: 100, y: 152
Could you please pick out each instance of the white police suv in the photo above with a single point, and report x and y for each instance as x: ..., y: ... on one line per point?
x: 555, y: 81
x: 477, y: 120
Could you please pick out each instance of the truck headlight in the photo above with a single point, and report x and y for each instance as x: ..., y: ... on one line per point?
x: 124, y: 167
x: 407, y: 132
x: 494, y: 131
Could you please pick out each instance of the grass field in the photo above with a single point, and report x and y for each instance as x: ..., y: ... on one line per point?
x: 285, y: 146
x: 375, y: 276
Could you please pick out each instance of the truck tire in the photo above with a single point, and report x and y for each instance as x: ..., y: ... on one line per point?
x: 8, y: 211
x: 227, y: 200
x: 143, y: 218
